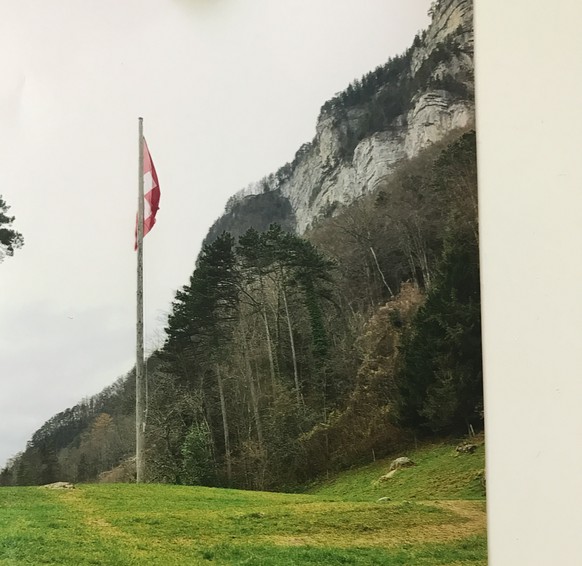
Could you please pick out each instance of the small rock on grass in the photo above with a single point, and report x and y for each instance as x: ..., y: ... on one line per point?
x: 388, y: 475
x: 59, y: 485
x: 402, y: 462
x: 466, y: 448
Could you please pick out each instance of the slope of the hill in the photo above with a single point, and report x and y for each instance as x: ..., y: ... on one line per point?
x: 440, y: 473
x: 427, y: 521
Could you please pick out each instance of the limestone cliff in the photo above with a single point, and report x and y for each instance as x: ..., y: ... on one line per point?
x: 363, y: 133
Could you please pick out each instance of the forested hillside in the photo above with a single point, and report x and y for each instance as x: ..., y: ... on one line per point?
x: 287, y: 357
x: 334, y: 310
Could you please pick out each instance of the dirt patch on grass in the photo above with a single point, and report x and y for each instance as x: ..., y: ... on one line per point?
x: 473, y: 511
x: 90, y: 516
x: 472, y: 522
x: 99, y: 526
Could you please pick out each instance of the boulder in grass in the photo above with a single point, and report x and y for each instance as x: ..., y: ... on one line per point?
x: 59, y: 485
x: 388, y: 475
x: 402, y: 462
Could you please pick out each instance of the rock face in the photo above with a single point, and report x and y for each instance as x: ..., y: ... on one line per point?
x: 350, y: 154
x: 256, y: 210
x: 448, y: 17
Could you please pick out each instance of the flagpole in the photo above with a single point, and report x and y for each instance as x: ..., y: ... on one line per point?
x: 139, y: 365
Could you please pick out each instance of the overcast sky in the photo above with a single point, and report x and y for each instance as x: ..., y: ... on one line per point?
x: 228, y: 89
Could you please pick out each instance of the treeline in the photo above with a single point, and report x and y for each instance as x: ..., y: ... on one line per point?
x: 81, y: 442
x: 288, y: 357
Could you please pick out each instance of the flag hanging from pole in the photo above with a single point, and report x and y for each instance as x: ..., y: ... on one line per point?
x: 151, y: 195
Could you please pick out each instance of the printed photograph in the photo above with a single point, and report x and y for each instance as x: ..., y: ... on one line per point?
x: 256, y: 337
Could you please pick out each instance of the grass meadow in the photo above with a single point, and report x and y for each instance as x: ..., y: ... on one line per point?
x: 338, y: 522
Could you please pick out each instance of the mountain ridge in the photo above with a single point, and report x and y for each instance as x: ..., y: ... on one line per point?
x: 365, y: 131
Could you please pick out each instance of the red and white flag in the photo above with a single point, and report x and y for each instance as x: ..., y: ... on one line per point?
x: 151, y: 193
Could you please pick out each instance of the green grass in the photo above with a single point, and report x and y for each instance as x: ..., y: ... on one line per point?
x: 161, y: 525
x: 441, y: 473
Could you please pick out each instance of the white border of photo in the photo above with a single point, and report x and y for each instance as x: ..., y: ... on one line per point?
x: 529, y: 128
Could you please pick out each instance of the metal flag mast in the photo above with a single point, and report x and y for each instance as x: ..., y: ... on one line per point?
x: 139, y: 364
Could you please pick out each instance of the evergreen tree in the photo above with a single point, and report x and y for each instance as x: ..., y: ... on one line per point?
x: 199, y: 331
x: 10, y: 240
x: 204, y: 311
x: 441, y: 383
x: 198, y: 467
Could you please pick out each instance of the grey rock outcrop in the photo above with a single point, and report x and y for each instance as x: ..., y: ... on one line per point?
x: 331, y: 171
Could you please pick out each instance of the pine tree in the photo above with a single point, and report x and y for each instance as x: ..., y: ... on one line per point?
x: 200, y: 330
x: 441, y: 383
x: 10, y: 240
